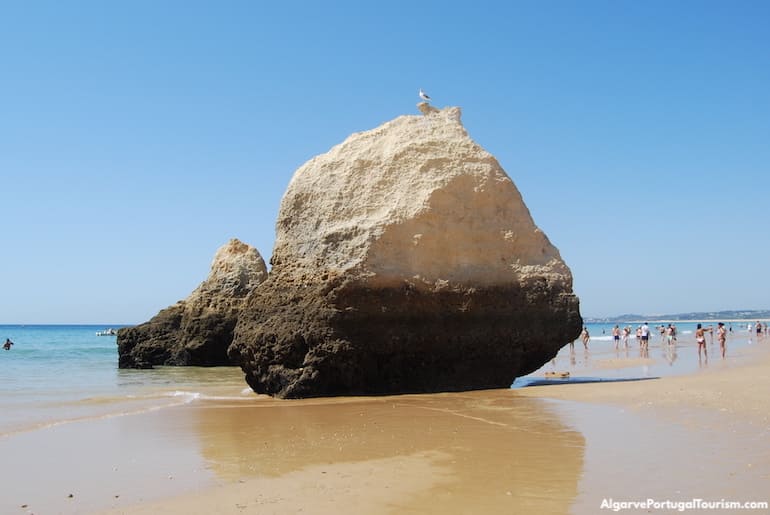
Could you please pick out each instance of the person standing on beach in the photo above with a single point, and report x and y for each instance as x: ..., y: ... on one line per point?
x: 700, y: 338
x: 670, y: 334
x: 722, y: 337
x: 585, y: 337
x: 616, y: 335
x: 626, y: 332
x: 645, y: 335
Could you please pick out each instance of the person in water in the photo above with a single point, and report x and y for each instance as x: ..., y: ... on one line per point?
x: 8, y: 343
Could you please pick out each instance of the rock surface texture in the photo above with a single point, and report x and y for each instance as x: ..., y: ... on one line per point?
x: 199, y: 329
x: 405, y: 261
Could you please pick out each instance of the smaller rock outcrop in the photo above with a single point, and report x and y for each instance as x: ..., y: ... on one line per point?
x: 199, y: 329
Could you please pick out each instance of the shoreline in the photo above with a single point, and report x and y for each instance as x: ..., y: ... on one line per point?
x: 677, y: 417
x: 550, y: 449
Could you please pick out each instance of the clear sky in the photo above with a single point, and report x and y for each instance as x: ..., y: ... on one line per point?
x: 137, y: 137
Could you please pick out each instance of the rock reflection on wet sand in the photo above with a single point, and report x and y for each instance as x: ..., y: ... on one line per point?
x: 487, y: 449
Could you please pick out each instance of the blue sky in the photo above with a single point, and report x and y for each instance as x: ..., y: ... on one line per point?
x: 138, y: 137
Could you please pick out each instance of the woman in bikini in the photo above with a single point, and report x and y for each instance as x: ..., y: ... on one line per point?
x: 722, y: 336
x: 700, y: 337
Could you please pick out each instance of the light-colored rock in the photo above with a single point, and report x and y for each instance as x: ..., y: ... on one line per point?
x: 414, y: 199
x: 426, y: 109
x: 237, y: 268
x: 405, y: 260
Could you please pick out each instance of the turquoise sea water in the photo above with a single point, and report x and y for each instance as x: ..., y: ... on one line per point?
x: 60, y: 373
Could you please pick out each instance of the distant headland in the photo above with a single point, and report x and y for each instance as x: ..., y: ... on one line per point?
x: 742, y: 314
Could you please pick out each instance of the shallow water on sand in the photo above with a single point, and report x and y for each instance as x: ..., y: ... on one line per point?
x: 58, y: 374
x: 481, y: 452
x: 55, y: 374
x: 602, y: 361
x: 75, y: 424
x: 489, y: 448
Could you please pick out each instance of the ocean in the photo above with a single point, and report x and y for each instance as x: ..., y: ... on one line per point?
x: 56, y: 374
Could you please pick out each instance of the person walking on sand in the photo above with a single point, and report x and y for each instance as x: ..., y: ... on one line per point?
x: 626, y: 332
x: 8, y: 343
x: 585, y: 337
x: 722, y: 337
x: 700, y: 338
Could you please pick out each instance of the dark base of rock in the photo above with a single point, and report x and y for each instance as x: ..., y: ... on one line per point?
x: 176, y: 338
x: 326, y: 340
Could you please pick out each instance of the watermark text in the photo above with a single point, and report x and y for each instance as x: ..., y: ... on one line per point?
x: 692, y: 504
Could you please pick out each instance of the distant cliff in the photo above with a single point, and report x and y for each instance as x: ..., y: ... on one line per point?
x: 743, y: 314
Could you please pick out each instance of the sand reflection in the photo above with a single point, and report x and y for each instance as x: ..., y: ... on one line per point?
x: 488, y: 449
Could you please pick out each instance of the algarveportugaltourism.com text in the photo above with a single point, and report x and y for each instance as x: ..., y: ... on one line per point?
x: 692, y: 504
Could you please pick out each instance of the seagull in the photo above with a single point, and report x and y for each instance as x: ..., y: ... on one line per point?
x: 424, y: 95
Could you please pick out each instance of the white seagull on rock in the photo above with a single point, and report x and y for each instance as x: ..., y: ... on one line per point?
x: 424, y: 95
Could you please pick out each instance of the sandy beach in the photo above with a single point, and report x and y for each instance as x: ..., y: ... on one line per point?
x: 541, y: 449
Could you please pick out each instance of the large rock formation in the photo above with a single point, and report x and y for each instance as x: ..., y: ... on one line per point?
x: 199, y: 329
x: 405, y: 261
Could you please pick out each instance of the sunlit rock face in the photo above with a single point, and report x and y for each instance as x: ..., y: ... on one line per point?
x: 405, y: 261
x: 199, y: 329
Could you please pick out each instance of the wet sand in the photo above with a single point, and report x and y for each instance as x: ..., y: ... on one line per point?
x: 736, y: 384
x: 547, y: 449
x: 488, y: 449
x: 700, y: 435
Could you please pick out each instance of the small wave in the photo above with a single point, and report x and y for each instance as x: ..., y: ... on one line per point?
x: 188, y: 396
x: 97, y: 416
x: 601, y: 338
x: 224, y: 398
x: 245, y: 394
